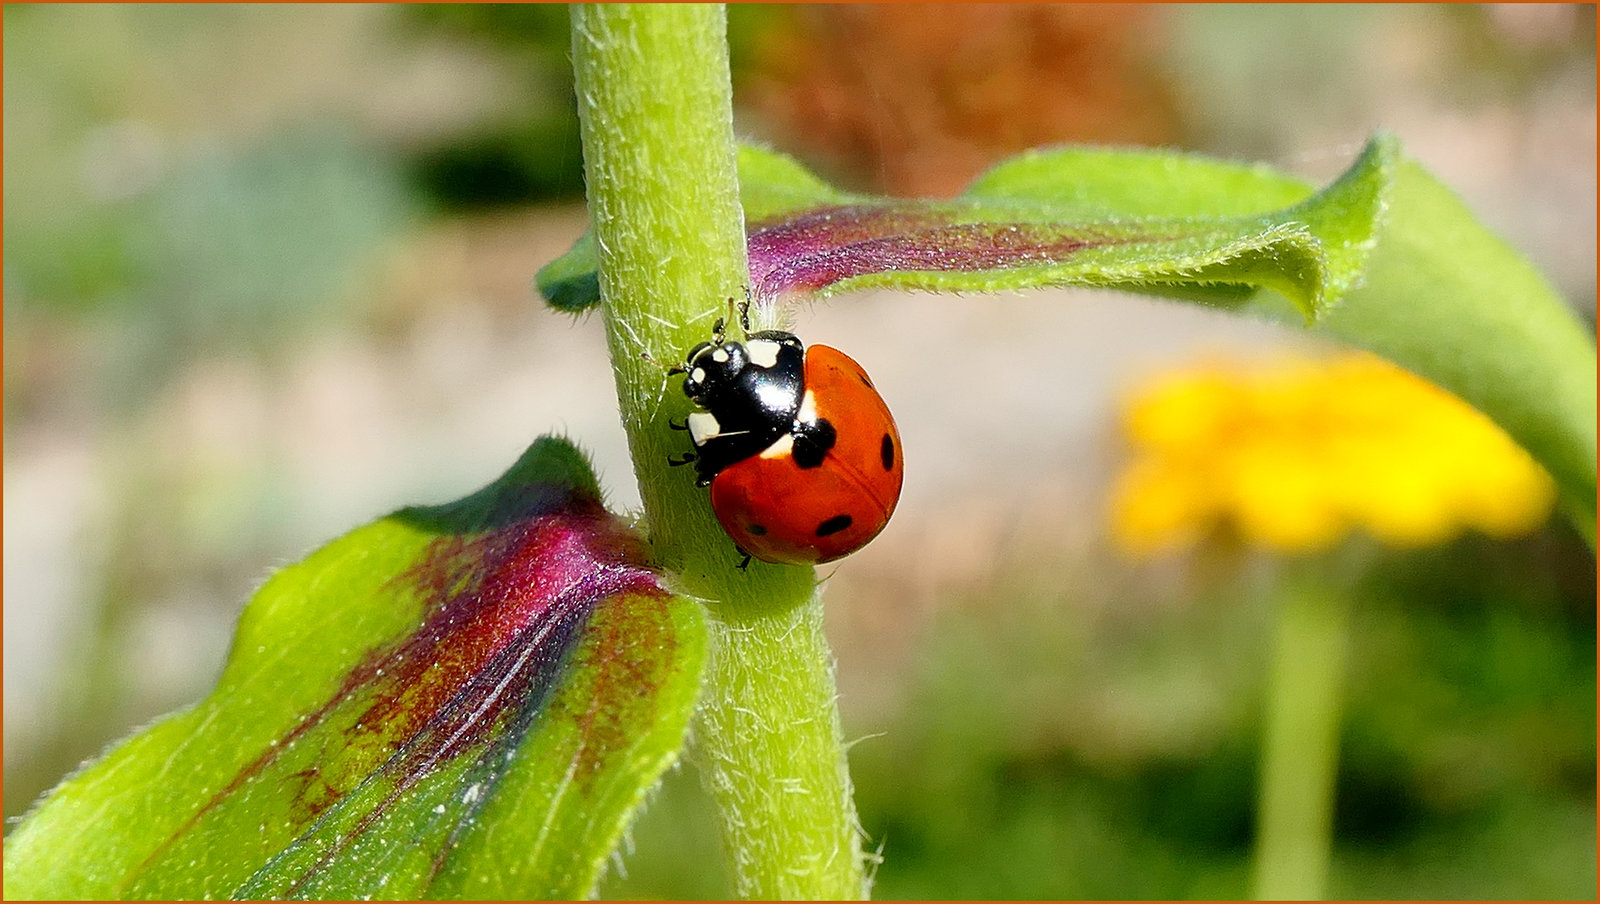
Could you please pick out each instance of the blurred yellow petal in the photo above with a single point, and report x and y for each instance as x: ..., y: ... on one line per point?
x: 1404, y: 510
x: 1296, y: 454
x: 1181, y: 413
x: 1155, y: 508
x: 1278, y: 501
x: 1511, y: 497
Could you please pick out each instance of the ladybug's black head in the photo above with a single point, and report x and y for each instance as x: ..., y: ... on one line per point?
x: 749, y: 394
x: 712, y: 368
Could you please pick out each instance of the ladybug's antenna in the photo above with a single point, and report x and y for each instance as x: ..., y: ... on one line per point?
x: 722, y: 322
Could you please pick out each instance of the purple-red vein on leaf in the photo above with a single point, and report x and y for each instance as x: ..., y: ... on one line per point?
x: 501, y: 611
x: 824, y: 245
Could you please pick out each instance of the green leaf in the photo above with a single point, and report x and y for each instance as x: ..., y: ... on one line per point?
x: 1143, y: 220
x: 772, y: 185
x: 458, y: 701
x: 571, y: 282
x: 1098, y: 182
x: 1015, y: 229
x: 1446, y: 298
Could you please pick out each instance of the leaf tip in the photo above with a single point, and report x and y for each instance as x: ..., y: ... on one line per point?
x: 571, y: 282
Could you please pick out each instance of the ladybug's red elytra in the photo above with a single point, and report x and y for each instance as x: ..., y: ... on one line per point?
x: 800, y: 452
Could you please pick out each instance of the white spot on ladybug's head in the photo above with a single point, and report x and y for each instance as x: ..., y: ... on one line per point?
x: 781, y: 447
x: 763, y: 352
x: 698, y: 375
x: 720, y: 355
x: 703, y: 426
x: 808, y: 408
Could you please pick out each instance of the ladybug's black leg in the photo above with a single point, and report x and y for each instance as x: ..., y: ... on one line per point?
x: 744, y: 311
x: 745, y: 562
x: 672, y: 371
x: 679, y: 461
x: 719, y: 331
x: 677, y: 426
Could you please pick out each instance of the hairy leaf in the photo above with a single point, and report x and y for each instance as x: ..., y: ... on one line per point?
x: 1158, y: 222
x: 460, y: 701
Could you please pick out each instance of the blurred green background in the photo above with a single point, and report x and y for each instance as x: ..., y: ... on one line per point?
x: 267, y: 276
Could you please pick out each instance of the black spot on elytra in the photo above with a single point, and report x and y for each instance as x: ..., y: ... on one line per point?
x: 833, y: 525
x: 758, y: 530
x: 887, y: 452
x: 812, y: 442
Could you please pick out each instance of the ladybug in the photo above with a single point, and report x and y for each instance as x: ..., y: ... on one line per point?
x: 800, y: 452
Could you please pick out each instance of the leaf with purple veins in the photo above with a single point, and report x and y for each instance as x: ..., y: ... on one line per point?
x: 460, y: 701
x: 1157, y: 222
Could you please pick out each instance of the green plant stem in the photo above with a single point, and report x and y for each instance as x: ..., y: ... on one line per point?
x: 655, y: 106
x: 1300, y: 749
x: 789, y: 822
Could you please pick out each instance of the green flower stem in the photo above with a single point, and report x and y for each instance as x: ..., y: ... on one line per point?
x: 769, y: 746
x: 1300, y: 750
x: 655, y: 106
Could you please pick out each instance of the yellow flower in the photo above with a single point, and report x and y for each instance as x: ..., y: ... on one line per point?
x: 1297, y: 454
